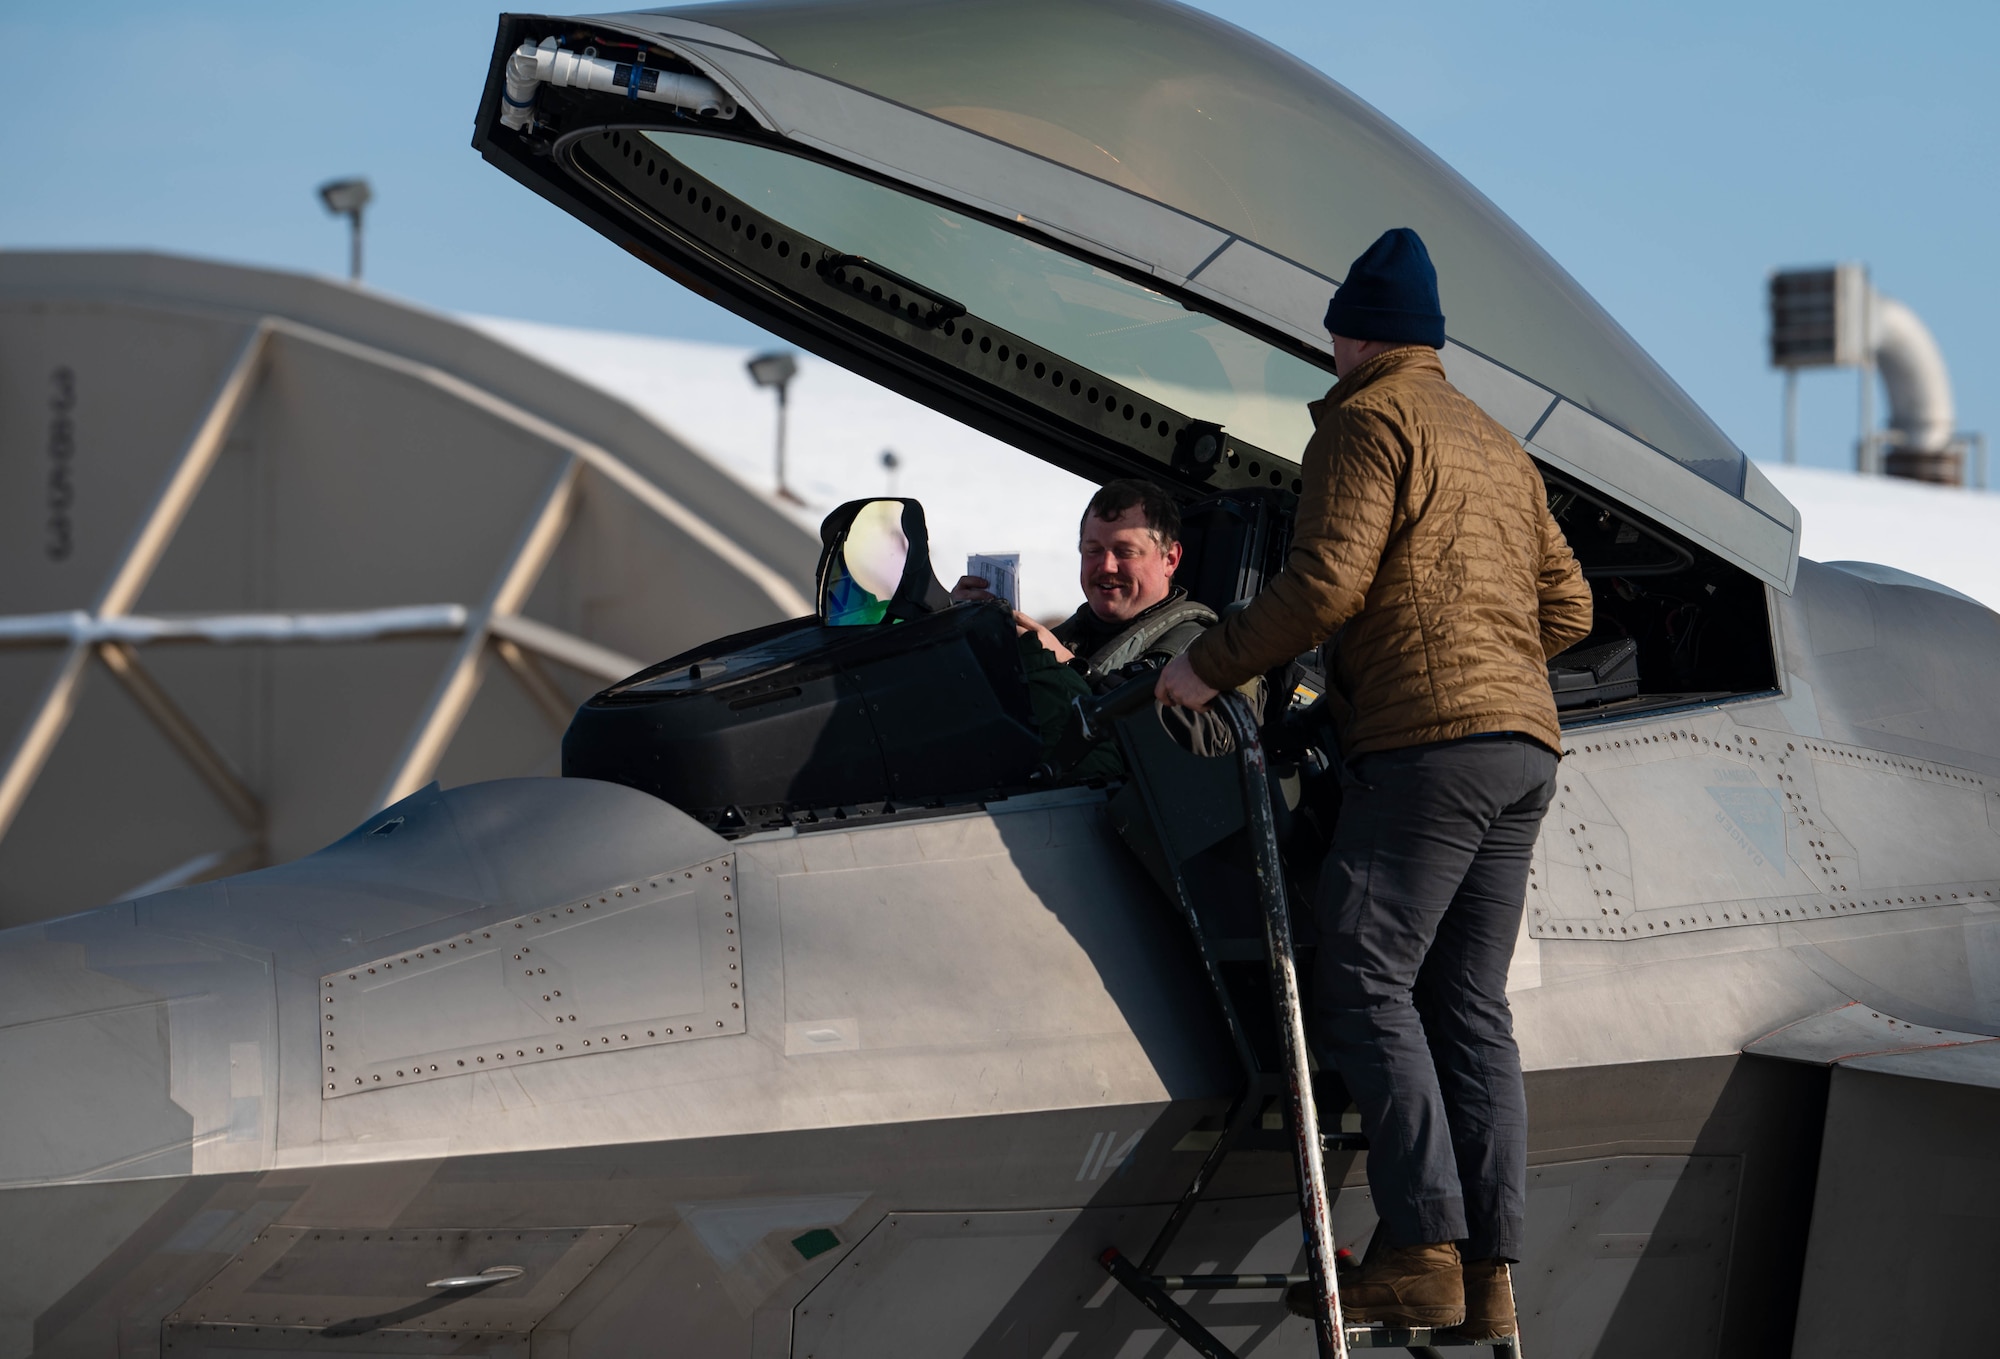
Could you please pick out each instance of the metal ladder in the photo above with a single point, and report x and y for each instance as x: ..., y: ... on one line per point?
x: 1335, y: 1336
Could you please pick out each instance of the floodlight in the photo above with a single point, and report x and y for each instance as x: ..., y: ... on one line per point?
x: 776, y: 370
x: 346, y: 198
x: 773, y: 370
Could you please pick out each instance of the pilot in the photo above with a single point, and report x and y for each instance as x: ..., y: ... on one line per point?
x: 1425, y: 561
x: 1129, y: 544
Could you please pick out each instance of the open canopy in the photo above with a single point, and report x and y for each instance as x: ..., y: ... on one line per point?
x: 1001, y: 206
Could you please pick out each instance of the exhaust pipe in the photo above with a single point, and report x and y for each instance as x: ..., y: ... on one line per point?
x: 1921, y: 417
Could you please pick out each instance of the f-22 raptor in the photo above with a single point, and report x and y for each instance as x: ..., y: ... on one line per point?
x: 813, y: 1015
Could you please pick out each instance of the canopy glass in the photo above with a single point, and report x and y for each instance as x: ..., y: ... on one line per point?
x: 1194, y: 363
x: 1196, y: 114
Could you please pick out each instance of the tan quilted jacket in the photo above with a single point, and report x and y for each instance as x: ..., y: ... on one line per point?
x: 1423, y: 538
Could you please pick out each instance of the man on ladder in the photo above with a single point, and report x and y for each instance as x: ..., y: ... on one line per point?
x: 1424, y: 559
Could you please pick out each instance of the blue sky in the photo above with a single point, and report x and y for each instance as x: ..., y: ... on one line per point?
x: 1668, y: 155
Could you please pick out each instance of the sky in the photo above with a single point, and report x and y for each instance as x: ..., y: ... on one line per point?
x: 1667, y: 155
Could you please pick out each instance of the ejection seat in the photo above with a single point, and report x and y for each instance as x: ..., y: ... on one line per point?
x: 887, y: 698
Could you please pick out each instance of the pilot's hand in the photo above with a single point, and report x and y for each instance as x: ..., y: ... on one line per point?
x: 1023, y: 623
x: 971, y: 587
x: 1180, y: 687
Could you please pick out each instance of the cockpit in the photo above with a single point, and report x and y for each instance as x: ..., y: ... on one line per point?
x: 892, y: 701
x: 887, y: 700
x: 1119, y: 268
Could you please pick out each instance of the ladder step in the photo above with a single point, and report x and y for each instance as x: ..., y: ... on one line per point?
x: 1174, y: 1283
x: 1298, y: 1116
x: 1423, y: 1341
x: 1161, y: 1304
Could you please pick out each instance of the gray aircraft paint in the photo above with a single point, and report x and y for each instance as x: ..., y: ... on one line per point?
x: 975, y: 1049
x: 1019, y: 1043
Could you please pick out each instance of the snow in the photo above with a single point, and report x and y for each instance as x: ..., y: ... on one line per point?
x: 1938, y: 532
x: 980, y: 495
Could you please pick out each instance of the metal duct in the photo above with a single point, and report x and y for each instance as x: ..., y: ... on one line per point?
x: 1912, y: 366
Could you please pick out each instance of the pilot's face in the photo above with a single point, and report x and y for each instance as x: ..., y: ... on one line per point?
x: 1125, y: 570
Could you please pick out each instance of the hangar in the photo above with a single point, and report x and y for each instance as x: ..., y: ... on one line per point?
x: 281, y: 551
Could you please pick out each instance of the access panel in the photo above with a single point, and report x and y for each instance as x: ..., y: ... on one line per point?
x: 658, y: 960
x: 328, y: 1291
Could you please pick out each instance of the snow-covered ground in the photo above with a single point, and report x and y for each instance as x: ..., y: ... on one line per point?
x: 982, y: 496
x: 1943, y: 534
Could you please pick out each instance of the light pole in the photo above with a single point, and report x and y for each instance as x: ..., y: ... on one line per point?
x: 346, y: 198
x: 776, y: 370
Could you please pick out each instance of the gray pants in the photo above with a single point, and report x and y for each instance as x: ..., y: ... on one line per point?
x: 1419, y: 908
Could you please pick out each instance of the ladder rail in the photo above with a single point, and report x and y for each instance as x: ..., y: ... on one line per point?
x: 1095, y: 717
x: 1184, y: 901
x: 1334, y: 1337
x: 1232, y: 1126
x: 1315, y: 1208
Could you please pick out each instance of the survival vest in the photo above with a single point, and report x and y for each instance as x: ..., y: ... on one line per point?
x: 1165, y: 630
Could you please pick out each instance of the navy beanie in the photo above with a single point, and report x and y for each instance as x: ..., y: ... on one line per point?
x: 1391, y: 293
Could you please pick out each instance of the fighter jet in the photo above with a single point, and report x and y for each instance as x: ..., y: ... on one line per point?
x: 815, y: 1013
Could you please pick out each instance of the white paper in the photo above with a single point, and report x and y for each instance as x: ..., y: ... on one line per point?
x: 1002, y: 573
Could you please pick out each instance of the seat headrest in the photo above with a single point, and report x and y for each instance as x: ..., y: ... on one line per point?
x: 875, y: 564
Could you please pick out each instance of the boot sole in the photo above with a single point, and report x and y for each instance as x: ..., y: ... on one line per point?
x: 1474, y: 1335
x: 1406, y: 1318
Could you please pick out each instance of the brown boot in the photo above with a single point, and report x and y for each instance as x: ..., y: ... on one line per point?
x: 1489, y: 1303
x: 1400, y: 1286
